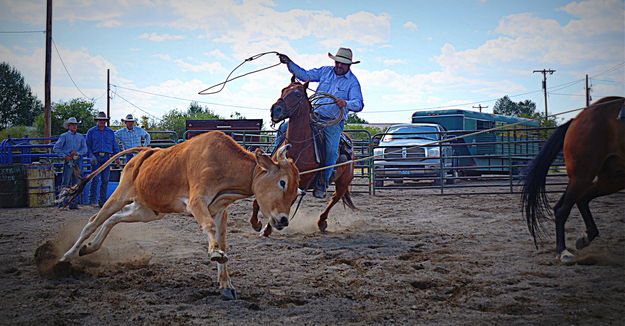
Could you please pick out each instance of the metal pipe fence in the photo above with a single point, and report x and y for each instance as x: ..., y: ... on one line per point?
x: 490, y: 163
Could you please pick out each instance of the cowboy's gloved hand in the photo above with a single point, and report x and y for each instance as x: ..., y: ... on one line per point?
x: 68, y: 158
x: 284, y: 58
x: 93, y: 161
x: 341, y: 102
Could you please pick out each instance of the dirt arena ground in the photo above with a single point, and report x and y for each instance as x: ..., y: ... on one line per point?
x: 401, y: 259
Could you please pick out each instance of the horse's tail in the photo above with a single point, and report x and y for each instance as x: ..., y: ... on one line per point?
x: 347, y: 200
x: 535, y: 203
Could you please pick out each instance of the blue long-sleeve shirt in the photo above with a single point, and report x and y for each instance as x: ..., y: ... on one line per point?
x: 345, y: 87
x: 70, y: 142
x: 132, y: 138
x: 101, y: 141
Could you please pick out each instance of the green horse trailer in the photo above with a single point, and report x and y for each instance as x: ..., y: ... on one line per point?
x: 502, y: 151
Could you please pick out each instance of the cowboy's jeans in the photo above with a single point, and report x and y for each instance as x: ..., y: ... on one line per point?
x: 280, y: 135
x: 69, y: 179
x: 101, y: 180
x: 332, y: 138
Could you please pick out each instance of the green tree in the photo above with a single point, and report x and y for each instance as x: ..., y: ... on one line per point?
x: 354, y: 118
x: 524, y: 109
x: 18, y: 106
x: 237, y: 116
x: 79, y: 108
x: 176, y: 120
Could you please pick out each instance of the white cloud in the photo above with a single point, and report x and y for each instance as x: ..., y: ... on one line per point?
x: 212, y: 67
x: 411, y: 26
x: 390, y: 62
x: 160, y: 37
x: 162, y: 56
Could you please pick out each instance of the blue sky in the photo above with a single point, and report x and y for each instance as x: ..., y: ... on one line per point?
x: 415, y: 55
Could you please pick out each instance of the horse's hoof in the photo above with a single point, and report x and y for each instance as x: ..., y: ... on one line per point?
x: 230, y: 294
x: 582, y: 242
x: 323, y: 225
x: 219, y: 257
x: 566, y: 257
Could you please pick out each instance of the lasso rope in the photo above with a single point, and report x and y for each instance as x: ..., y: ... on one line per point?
x: 228, y: 79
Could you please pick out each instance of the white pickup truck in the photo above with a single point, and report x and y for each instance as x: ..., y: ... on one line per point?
x: 400, y: 156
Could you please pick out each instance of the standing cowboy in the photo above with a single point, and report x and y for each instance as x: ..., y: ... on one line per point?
x: 102, y: 145
x: 71, y: 146
x: 132, y: 136
x: 340, y: 82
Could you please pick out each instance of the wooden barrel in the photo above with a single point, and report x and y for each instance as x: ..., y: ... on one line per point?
x: 40, y: 185
x: 12, y: 186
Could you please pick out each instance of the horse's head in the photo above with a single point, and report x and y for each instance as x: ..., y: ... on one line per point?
x: 292, y: 98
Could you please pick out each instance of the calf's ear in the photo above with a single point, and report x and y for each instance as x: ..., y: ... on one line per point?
x: 264, y: 160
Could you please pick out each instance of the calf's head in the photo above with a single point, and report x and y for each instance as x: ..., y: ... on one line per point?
x: 275, y: 186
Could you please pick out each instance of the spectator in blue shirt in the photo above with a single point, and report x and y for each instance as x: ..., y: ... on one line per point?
x: 132, y: 136
x: 101, y: 145
x: 71, y: 146
x: 340, y: 82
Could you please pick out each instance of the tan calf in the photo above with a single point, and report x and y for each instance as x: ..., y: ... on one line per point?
x: 200, y: 177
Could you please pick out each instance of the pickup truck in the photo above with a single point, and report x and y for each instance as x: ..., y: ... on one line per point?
x: 398, y: 158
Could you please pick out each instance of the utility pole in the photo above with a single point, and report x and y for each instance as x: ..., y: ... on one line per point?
x: 544, y: 72
x: 479, y: 106
x: 108, y: 96
x: 47, y: 110
x: 587, y: 92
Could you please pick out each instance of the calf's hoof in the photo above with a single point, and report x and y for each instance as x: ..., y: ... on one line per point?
x: 219, y: 257
x: 323, y: 225
x: 266, y: 232
x: 257, y: 226
x: 566, y: 257
x: 230, y: 294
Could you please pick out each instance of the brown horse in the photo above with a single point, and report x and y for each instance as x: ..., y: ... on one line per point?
x: 295, y: 105
x: 594, y: 153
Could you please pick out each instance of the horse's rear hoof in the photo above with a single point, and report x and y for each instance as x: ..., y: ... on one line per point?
x: 566, y: 257
x: 323, y: 225
x: 582, y: 242
x: 230, y: 294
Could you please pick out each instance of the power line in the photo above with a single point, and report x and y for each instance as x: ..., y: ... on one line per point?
x: 140, y: 109
x: 20, y: 32
x: 189, y: 100
x: 67, y: 71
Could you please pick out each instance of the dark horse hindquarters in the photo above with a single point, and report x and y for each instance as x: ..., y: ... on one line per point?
x: 594, y: 152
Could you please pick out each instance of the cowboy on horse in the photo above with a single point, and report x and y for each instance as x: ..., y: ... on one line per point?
x: 342, y: 84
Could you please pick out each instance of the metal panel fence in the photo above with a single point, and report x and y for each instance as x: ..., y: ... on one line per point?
x: 488, y: 163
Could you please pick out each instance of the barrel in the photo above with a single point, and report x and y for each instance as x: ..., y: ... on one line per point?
x: 12, y: 186
x: 40, y: 185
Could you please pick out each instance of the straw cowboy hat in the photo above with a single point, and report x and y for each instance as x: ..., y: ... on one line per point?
x: 101, y: 116
x: 343, y: 55
x: 130, y: 118
x: 70, y: 121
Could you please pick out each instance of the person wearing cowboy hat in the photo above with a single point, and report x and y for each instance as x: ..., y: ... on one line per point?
x: 101, y: 146
x: 132, y: 136
x: 339, y: 81
x: 71, y: 146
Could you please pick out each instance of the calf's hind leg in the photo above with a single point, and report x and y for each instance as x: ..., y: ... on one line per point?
x: 112, y: 206
x: 134, y: 212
